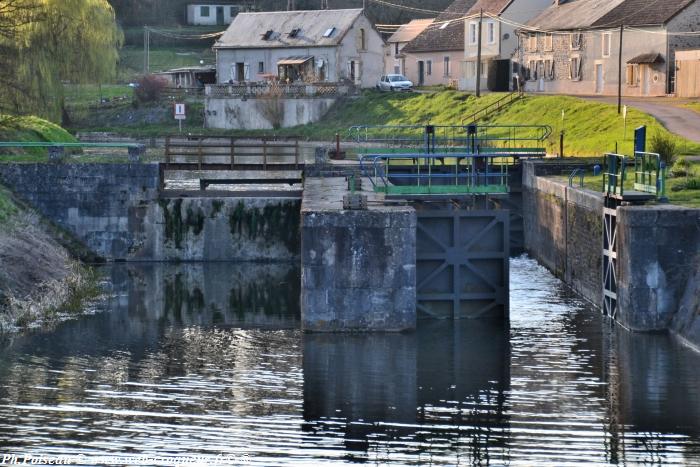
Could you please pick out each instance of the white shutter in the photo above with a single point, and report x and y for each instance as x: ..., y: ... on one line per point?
x: 246, y: 72
x: 571, y: 68
x: 233, y: 72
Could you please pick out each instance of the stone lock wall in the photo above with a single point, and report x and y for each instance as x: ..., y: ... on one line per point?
x: 224, y: 229
x: 100, y: 203
x: 563, y: 229
x: 658, y: 253
x: 115, y: 209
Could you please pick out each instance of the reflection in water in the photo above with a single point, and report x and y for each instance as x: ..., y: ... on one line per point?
x: 425, y: 393
x: 196, y: 359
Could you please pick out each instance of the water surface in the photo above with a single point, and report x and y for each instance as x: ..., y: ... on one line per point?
x: 208, y: 360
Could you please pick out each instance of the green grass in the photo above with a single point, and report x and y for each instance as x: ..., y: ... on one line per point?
x: 693, y: 106
x: 161, y: 59
x: 85, y: 95
x: 29, y: 129
x: 7, y: 206
x: 591, y: 128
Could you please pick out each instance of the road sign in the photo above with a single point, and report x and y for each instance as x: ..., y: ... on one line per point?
x: 180, y: 111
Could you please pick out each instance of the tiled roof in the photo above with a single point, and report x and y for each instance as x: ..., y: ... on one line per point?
x: 438, y: 38
x: 408, y: 32
x: 642, y: 13
x: 495, y: 7
x: 574, y: 14
x: 248, y: 30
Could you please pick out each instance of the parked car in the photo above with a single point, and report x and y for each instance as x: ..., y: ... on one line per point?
x: 394, y: 83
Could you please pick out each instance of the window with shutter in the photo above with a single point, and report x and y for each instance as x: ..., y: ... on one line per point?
x: 548, y: 43
x: 576, y: 41
x: 246, y: 72
x: 607, y: 41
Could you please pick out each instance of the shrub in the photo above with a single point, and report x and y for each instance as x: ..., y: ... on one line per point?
x: 680, y: 167
x: 664, y: 145
x: 693, y: 183
x: 271, y: 105
x: 150, y: 88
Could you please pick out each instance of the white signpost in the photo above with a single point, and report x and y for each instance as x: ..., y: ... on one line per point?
x: 180, y: 114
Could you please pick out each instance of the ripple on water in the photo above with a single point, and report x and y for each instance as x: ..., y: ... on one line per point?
x: 559, y: 386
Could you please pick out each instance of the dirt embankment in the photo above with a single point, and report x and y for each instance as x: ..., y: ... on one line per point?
x: 39, y: 280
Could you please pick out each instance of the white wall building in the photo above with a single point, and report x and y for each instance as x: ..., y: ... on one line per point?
x: 498, y: 41
x: 302, y: 45
x: 212, y: 13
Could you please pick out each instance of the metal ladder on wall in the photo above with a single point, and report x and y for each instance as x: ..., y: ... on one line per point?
x: 649, y: 183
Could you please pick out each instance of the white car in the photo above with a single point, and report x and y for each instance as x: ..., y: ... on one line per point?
x: 394, y: 83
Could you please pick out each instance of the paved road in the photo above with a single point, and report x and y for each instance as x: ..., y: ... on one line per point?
x: 678, y: 120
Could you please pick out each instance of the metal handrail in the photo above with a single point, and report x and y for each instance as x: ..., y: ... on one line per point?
x: 448, y: 135
x: 48, y: 144
x: 614, y: 174
x: 648, y: 175
x: 489, y: 108
x: 477, y: 178
x: 580, y: 172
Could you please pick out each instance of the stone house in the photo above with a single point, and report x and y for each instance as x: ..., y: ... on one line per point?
x: 212, y: 13
x: 433, y: 56
x: 301, y: 46
x: 573, y: 47
x: 498, y: 41
x: 394, y: 58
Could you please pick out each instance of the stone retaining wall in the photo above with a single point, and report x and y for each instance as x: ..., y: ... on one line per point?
x: 658, y: 252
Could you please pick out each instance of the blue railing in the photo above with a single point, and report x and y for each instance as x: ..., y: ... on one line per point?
x: 437, y: 173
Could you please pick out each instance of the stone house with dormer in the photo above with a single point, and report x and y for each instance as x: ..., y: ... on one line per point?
x: 573, y: 47
x: 301, y: 46
x: 498, y: 41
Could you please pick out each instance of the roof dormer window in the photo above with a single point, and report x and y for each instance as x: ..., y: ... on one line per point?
x: 329, y: 32
x: 295, y: 32
x: 267, y: 35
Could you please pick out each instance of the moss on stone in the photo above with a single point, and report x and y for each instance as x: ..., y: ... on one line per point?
x: 176, y: 227
x: 274, y: 222
x: 216, y: 206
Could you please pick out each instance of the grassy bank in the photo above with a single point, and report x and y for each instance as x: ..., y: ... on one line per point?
x: 591, y: 128
x: 39, y: 280
x: 29, y: 129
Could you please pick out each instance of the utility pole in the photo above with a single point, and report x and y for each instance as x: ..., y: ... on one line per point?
x: 619, y: 74
x: 324, y: 4
x: 478, y: 56
x: 146, y: 49
x: 291, y: 5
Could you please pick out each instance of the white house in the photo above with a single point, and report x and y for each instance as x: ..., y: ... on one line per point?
x: 498, y: 41
x: 212, y: 13
x: 301, y: 45
x: 395, y: 59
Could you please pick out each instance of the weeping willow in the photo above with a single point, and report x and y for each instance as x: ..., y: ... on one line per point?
x: 44, y: 43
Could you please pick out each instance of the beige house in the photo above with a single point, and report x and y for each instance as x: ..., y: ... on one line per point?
x: 301, y: 46
x: 433, y: 57
x: 394, y: 58
x: 581, y: 54
x: 498, y: 41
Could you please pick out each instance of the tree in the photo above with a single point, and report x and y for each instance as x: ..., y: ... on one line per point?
x: 44, y: 43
